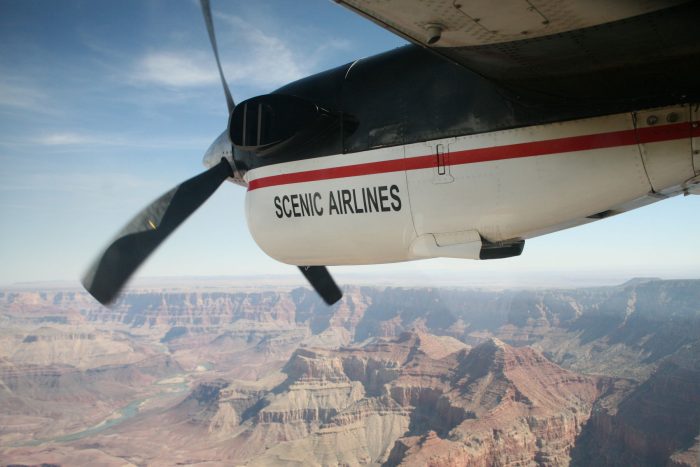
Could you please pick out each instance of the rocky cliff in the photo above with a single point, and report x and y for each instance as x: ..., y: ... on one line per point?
x: 591, y: 330
x: 657, y: 423
x: 413, y: 400
x: 390, y: 376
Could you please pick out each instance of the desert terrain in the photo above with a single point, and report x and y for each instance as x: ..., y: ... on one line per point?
x: 266, y: 376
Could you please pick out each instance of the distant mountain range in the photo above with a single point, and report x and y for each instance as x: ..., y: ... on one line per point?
x: 388, y: 376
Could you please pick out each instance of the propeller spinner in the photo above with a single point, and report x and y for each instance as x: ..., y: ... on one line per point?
x: 150, y: 227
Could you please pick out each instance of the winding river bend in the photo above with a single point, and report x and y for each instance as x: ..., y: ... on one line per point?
x: 172, y: 386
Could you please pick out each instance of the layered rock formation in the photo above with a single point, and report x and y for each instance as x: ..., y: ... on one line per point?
x: 415, y: 400
x: 507, y: 405
x: 621, y: 330
x: 657, y: 423
x: 603, y: 376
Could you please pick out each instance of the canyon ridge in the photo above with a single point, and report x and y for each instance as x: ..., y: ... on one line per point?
x: 388, y: 376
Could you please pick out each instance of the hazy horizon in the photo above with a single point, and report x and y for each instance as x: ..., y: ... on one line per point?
x: 431, y: 279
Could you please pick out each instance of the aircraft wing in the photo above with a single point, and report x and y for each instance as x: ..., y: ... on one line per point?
x: 520, y: 42
x: 479, y: 22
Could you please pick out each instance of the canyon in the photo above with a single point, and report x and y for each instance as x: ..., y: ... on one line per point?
x: 388, y: 376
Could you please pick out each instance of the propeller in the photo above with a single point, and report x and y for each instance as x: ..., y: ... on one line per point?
x: 206, y: 11
x: 145, y: 232
x: 150, y: 227
x: 322, y: 282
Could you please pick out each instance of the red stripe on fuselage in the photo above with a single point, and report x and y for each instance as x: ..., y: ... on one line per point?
x: 495, y: 153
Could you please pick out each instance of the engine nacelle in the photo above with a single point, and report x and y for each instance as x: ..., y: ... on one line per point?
x: 271, y: 124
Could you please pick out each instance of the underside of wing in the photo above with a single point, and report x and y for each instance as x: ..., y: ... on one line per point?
x: 591, y: 49
x: 467, y: 23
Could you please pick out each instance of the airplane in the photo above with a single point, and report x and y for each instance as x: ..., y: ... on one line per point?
x: 498, y: 122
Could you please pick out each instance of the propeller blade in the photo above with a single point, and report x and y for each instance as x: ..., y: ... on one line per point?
x: 147, y: 230
x: 322, y: 282
x: 206, y: 11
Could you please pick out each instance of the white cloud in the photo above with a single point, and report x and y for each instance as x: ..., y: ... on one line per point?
x: 176, y: 69
x: 75, y: 182
x: 21, y: 96
x: 66, y: 138
x: 266, y: 59
x: 61, y: 139
x: 262, y: 59
x: 250, y: 56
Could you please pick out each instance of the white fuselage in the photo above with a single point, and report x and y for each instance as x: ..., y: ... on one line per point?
x: 446, y: 198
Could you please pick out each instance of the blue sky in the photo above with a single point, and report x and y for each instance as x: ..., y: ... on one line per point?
x: 105, y: 105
